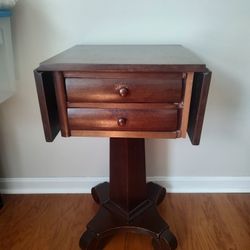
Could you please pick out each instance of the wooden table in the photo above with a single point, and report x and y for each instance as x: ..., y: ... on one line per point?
x: 127, y: 93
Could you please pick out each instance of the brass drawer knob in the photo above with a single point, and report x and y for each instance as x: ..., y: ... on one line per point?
x: 123, y: 91
x: 121, y: 122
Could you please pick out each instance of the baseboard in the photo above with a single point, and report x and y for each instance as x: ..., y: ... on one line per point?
x: 49, y: 185
x: 200, y: 184
x: 83, y: 184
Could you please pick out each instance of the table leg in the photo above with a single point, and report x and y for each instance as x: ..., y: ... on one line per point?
x: 128, y: 203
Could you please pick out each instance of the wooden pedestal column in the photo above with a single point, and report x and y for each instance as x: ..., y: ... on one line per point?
x: 127, y: 173
x: 127, y: 202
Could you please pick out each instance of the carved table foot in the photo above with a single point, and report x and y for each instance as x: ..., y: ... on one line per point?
x: 100, y: 193
x: 156, y: 193
x: 166, y: 241
x: 143, y: 219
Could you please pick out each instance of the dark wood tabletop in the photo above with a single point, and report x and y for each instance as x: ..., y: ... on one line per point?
x: 125, y: 58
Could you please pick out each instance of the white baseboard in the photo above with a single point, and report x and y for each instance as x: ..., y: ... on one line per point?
x: 200, y: 184
x: 83, y: 184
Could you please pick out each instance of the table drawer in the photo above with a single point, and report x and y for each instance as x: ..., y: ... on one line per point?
x: 164, y: 88
x: 123, y: 119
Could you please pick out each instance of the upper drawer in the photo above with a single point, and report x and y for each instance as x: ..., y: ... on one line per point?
x: 134, y: 88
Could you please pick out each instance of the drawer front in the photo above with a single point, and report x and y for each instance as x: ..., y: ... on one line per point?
x: 166, y: 88
x: 123, y: 120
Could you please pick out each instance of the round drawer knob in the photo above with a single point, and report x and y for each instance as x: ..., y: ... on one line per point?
x: 121, y: 122
x: 123, y: 91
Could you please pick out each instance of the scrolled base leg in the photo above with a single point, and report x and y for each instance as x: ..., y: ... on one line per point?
x: 156, y: 193
x: 143, y: 219
x: 100, y: 193
x: 166, y: 241
x: 88, y: 241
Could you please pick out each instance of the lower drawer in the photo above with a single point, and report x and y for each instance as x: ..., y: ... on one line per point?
x: 123, y: 119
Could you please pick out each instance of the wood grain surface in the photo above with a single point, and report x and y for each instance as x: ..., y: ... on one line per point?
x: 162, y: 88
x: 121, y: 74
x: 186, y: 103
x: 47, y: 101
x: 56, y: 222
x: 126, y: 134
x: 130, y: 58
x: 198, y: 105
x: 134, y: 120
x: 61, y: 103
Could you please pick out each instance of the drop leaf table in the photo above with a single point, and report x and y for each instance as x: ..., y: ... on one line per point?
x: 127, y: 93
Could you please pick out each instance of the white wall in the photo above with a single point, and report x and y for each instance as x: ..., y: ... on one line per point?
x: 218, y: 31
